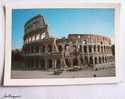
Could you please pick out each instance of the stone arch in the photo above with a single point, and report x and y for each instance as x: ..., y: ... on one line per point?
x: 96, y: 62
x: 102, y: 49
x: 90, y: 48
x: 80, y: 49
x: 103, y: 59
x: 100, y: 61
x: 91, y: 60
x: 94, y: 48
x: 85, y: 49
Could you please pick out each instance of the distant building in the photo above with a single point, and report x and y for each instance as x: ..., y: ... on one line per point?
x: 41, y: 51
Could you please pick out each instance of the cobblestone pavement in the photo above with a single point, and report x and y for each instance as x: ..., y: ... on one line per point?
x: 108, y: 72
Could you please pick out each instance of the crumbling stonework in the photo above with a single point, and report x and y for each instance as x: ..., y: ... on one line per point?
x: 42, y: 51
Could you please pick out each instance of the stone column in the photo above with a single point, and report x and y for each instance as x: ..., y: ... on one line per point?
x: 97, y: 60
x: 61, y: 66
x: 82, y: 49
x: 55, y: 63
x: 79, y: 61
x: 87, y: 49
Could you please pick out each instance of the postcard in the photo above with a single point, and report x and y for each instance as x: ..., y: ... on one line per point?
x: 61, y: 44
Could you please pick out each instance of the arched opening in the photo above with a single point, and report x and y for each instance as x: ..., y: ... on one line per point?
x: 101, y: 42
x: 99, y: 60
x: 103, y: 60
x: 80, y: 49
x: 96, y: 60
x: 94, y: 48
x: 102, y: 49
x: 91, y: 60
x: 49, y: 63
x: 49, y: 48
x: 75, y: 62
x: 90, y: 48
x: 85, y: 49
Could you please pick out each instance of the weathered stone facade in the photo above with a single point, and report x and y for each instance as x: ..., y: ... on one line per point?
x: 42, y: 51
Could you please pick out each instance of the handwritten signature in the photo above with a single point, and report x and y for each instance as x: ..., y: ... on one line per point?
x: 10, y: 96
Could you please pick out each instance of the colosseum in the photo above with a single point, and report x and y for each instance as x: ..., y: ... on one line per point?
x: 42, y: 51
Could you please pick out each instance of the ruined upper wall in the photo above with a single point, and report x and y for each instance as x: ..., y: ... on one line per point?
x: 90, y: 38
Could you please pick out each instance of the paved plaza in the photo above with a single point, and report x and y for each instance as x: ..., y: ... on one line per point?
x: 108, y: 72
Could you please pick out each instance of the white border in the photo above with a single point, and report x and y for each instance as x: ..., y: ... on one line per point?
x: 61, y: 81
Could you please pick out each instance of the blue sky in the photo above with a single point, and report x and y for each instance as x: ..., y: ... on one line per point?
x: 62, y: 22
